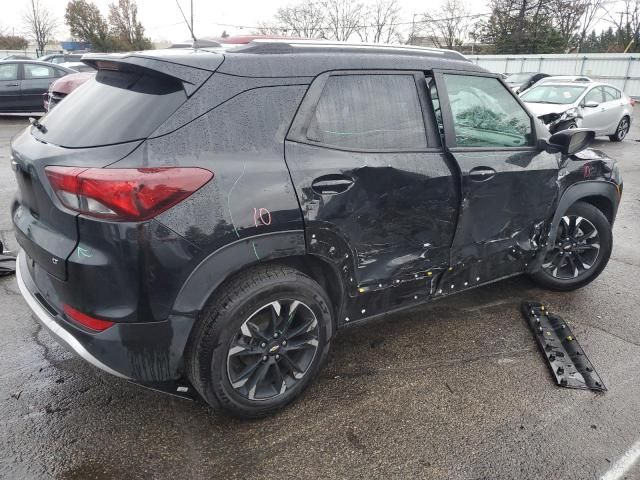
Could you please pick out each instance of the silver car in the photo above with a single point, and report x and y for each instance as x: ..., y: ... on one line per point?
x: 597, y: 106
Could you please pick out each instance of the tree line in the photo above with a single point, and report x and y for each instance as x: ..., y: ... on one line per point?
x: 120, y: 30
x: 509, y: 26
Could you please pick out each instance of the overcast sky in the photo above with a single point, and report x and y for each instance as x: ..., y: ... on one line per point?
x: 162, y: 19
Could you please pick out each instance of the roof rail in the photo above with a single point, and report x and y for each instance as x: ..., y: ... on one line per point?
x: 293, y: 46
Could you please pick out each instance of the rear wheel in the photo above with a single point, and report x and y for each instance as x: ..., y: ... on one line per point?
x: 581, y: 250
x: 621, y: 130
x: 260, y: 342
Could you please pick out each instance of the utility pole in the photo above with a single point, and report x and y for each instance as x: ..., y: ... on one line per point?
x: 192, y: 27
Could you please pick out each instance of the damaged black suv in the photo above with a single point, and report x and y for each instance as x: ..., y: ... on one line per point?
x: 203, y: 222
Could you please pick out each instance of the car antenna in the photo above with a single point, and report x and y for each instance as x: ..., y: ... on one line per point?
x: 189, y: 25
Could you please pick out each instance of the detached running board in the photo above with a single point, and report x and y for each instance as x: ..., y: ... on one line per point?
x: 568, y: 362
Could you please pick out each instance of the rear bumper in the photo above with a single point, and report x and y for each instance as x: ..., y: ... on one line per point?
x: 147, y: 353
x: 51, y: 322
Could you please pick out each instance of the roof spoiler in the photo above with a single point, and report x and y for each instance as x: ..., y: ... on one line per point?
x: 176, y: 67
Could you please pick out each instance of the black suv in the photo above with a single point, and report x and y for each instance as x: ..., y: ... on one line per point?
x: 197, y: 219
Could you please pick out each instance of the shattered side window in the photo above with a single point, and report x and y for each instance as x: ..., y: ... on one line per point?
x: 485, y: 114
x: 369, y: 112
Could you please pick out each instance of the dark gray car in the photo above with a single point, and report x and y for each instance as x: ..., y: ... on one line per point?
x: 22, y: 84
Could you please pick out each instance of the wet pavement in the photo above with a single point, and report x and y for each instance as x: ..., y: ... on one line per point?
x: 457, y: 390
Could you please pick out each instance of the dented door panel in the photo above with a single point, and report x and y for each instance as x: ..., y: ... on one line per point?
x: 397, y: 218
x: 504, y: 212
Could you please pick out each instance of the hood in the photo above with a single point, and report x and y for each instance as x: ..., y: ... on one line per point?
x: 540, y: 109
x: 70, y: 82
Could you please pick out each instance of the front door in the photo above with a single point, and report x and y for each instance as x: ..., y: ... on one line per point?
x: 35, y: 82
x: 508, y: 184
x: 372, y: 179
x: 9, y: 87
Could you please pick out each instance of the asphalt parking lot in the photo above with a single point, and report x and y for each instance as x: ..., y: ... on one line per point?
x: 456, y: 390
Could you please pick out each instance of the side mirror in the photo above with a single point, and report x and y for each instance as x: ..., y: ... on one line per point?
x: 591, y: 104
x: 569, y: 141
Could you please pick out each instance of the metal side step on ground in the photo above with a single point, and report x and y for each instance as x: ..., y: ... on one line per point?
x: 568, y: 362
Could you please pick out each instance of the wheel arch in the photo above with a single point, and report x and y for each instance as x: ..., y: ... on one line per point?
x: 600, y: 194
x: 282, y: 248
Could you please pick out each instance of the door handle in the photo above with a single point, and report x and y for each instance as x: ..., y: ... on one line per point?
x: 482, y: 174
x: 332, y: 184
x: 11, y: 84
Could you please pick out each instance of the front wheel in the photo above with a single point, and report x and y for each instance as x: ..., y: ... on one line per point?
x: 581, y: 249
x: 621, y: 130
x: 260, y: 342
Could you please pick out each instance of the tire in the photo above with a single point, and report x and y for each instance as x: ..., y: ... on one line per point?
x: 621, y: 130
x: 575, y: 258
x: 220, y: 350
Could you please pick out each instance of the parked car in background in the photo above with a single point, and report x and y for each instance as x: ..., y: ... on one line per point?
x: 78, y: 66
x: 22, y: 84
x: 519, y: 82
x: 205, y: 223
x: 564, y: 78
x: 15, y: 57
x: 61, y: 57
x: 597, y: 106
x: 62, y: 87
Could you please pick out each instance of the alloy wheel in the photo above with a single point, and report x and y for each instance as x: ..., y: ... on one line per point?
x: 273, y: 350
x: 623, y: 128
x: 576, y: 249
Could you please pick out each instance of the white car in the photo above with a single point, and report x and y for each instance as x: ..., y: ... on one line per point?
x: 596, y: 106
x: 564, y: 78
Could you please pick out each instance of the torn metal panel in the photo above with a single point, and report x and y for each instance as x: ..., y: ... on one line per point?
x: 569, y: 364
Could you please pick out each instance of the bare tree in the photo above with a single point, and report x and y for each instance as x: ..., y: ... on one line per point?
x: 268, y: 28
x: 344, y: 18
x: 123, y: 17
x: 447, y: 27
x: 627, y: 23
x: 303, y: 20
x: 381, y: 22
x: 567, y: 15
x: 592, y: 13
x: 41, y: 24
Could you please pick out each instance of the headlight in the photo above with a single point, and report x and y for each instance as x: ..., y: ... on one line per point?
x: 571, y: 113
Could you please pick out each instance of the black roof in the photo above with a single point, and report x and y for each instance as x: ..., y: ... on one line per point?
x: 283, y: 58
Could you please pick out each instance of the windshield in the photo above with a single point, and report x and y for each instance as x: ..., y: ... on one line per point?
x: 518, y: 77
x: 557, y: 94
x: 115, y: 107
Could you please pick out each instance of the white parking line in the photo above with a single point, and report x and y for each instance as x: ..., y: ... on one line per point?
x: 624, y: 463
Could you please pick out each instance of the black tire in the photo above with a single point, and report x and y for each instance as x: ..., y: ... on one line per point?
x: 621, y: 130
x: 209, y: 358
x: 575, y: 258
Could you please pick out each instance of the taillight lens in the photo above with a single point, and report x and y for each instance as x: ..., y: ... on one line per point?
x: 124, y: 194
x: 85, y: 320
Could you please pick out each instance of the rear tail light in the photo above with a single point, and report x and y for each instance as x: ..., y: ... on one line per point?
x: 124, y: 194
x: 85, y: 320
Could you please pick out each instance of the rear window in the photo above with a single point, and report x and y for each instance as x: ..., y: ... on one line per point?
x: 114, y: 107
x: 369, y: 112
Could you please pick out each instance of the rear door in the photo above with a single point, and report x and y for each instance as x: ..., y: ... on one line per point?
x: 9, y: 87
x: 592, y: 117
x: 613, y: 108
x: 35, y: 82
x: 508, y: 184
x: 372, y: 179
